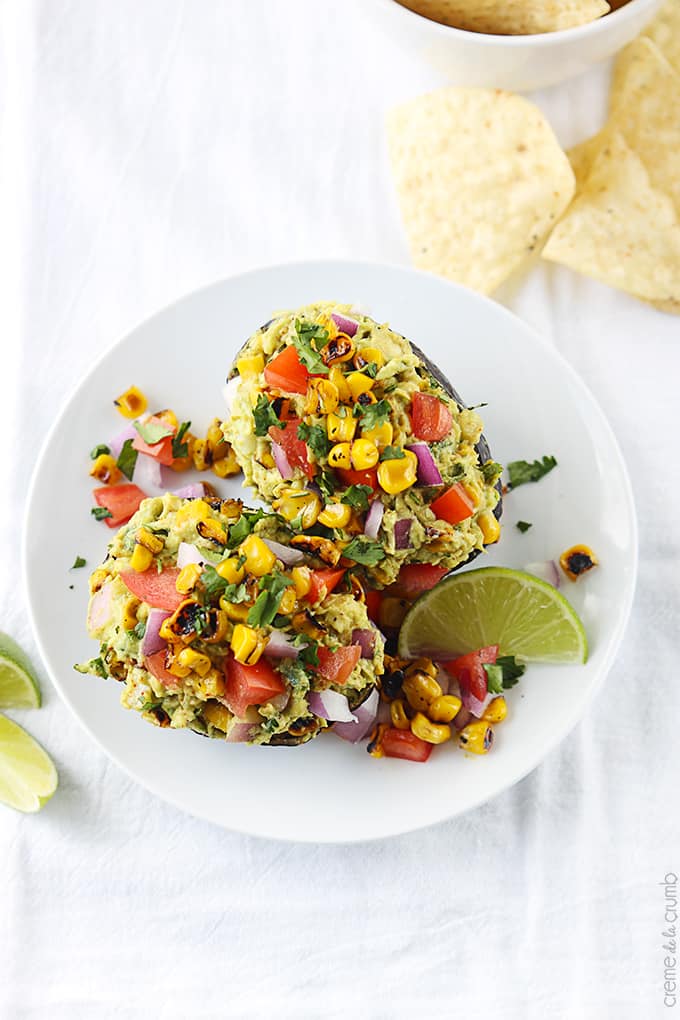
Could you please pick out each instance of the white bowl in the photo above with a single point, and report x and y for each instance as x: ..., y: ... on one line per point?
x: 519, y: 62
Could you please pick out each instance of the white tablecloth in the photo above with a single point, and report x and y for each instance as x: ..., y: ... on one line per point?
x: 147, y: 148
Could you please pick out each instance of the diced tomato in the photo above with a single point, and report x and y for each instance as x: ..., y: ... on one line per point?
x: 431, y: 419
x: 157, y: 590
x: 351, y: 477
x: 322, y: 583
x: 454, y: 505
x: 294, y: 448
x: 415, y: 578
x: 286, y: 372
x: 470, y: 673
x: 336, y: 667
x: 373, y: 600
x: 160, y: 451
x: 121, y: 500
x: 404, y: 744
x: 156, y: 666
x: 250, y: 685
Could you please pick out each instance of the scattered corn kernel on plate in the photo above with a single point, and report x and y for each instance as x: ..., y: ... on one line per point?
x: 326, y: 789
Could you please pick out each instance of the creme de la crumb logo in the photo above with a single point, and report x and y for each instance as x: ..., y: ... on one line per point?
x: 670, y: 937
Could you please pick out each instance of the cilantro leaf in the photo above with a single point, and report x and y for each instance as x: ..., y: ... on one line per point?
x: 309, y: 650
x: 264, y: 415
x: 392, y: 453
x: 152, y: 431
x: 522, y: 471
x: 98, y: 450
x: 138, y: 630
x: 78, y: 562
x: 357, y: 496
x: 243, y: 526
x: 327, y: 482
x: 127, y: 458
x: 267, y: 602
x: 295, y: 673
x: 372, y: 415
x: 512, y: 670
x: 523, y: 526
x: 316, y: 439
x: 179, y: 448
x: 215, y: 584
x: 494, y: 677
x: 364, y: 551
x: 305, y: 333
x: 100, y: 513
x: 491, y: 471
x: 370, y: 369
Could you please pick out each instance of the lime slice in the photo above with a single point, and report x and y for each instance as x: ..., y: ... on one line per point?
x: 527, y: 617
x: 28, y: 777
x: 19, y: 686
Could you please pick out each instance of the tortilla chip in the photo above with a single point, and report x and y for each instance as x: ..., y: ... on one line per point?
x: 509, y: 17
x: 621, y: 230
x: 582, y: 157
x: 664, y: 30
x: 481, y: 180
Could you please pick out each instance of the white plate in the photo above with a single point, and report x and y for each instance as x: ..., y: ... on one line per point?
x: 329, y: 790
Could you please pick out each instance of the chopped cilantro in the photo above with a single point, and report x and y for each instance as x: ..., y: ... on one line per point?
x: 98, y: 450
x: 491, y: 471
x: 371, y: 369
x: 138, y: 630
x: 294, y: 672
x: 327, y: 482
x: 305, y: 333
x: 78, y: 562
x: 309, y: 650
x: 243, y: 526
x: 457, y: 472
x: 95, y: 666
x: 152, y: 431
x: 100, y: 513
x: 127, y: 458
x: 523, y: 526
x: 494, y: 678
x: 364, y: 551
x: 504, y: 674
x: 267, y: 603
x: 372, y: 415
x: 357, y: 496
x: 264, y: 415
x: 215, y: 584
x: 392, y: 453
x: 316, y: 439
x: 522, y: 471
x: 180, y: 448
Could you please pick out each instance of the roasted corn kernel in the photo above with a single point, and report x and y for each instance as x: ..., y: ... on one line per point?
x: 226, y: 466
x: 338, y: 349
x: 212, y: 685
x: 288, y: 601
x: 359, y: 383
x: 420, y: 690
x: 187, y: 578
x: 339, y: 380
x: 476, y: 737
x: 105, y: 469
x: 192, y: 512
x: 132, y: 403
x: 130, y: 614
x: 335, y: 515
x: 318, y: 546
x: 368, y: 356
x: 302, y: 506
x: 374, y: 746
x: 217, y: 715
x: 396, y: 476
x: 496, y: 710
x: 490, y: 527
x: 212, y: 531
x: 302, y: 581
x: 141, y: 558
x: 236, y: 611
x: 217, y: 444
x: 246, y: 644
x: 231, y: 571
x: 433, y: 733
x: 444, y: 709
x: 339, y: 456
x: 97, y: 579
x: 250, y: 365
x: 154, y: 543
x: 200, y: 454
x: 422, y: 666
x: 363, y: 454
x: 341, y: 427
x: 381, y: 435
x: 322, y: 397
x: 168, y: 417
x: 393, y: 611
x: 474, y: 493
x: 398, y: 715
x: 176, y: 668
x: 260, y: 560
x: 197, y: 662
x: 577, y: 561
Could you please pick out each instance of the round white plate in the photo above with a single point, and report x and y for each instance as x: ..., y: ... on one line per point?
x: 328, y: 790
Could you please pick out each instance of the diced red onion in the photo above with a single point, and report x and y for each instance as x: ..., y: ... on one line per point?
x: 147, y: 473
x: 428, y: 472
x: 284, y: 552
x: 546, y: 570
x: 100, y: 607
x: 281, y: 461
x: 229, y: 392
x: 115, y: 445
x: 280, y: 646
x: 443, y: 679
x: 239, y: 732
x: 402, y: 534
x: 374, y: 518
x: 279, y: 701
x: 462, y: 718
x: 365, y: 718
x: 345, y: 325
x: 331, y: 705
x: 152, y: 641
x: 383, y: 714
x: 196, y: 490
x: 188, y: 553
x: 365, y: 638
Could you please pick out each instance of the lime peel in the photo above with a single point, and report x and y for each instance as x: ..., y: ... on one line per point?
x: 19, y: 687
x: 28, y: 777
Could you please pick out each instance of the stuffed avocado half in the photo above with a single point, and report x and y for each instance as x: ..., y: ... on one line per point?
x: 224, y: 620
x: 350, y: 433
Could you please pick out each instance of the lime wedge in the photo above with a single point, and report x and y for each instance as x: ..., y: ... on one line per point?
x: 527, y: 617
x: 19, y: 686
x: 28, y: 777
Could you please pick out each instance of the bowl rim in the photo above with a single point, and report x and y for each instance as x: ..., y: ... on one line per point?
x: 598, y: 26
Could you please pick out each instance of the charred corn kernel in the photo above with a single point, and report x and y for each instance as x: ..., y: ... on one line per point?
x: 217, y: 715
x: 288, y: 601
x: 154, y: 543
x: 212, y: 531
x: 97, y: 579
x: 490, y: 527
x: 166, y: 632
x: 476, y: 737
x: 132, y: 403
x: 141, y: 559
x: 217, y: 444
x: 363, y: 454
x: 473, y: 492
x: 266, y: 460
x: 338, y: 349
x: 247, y: 645
x: 398, y: 715
x: 212, y: 685
x: 192, y: 512
x: 200, y: 454
x: 335, y: 515
x: 105, y: 469
x: 420, y: 690
x: 233, y: 610
x: 341, y: 427
x: 130, y: 614
x: 359, y: 383
x: 496, y: 710
x: 197, y: 662
x: 381, y: 435
x: 177, y: 669
x: 444, y: 709
x: 226, y: 466
x: 329, y: 324
x: 367, y: 398
x: 230, y: 509
x: 250, y: 365
x: 260, y: 560
x: 168, y: 417
x: 231, y: 570
x: 398, y: 475
x: 368, y: 356
x: 337, y: 377
x: 422, y: 666
x: 302, y: 506
x: 339, y: 456
x: 218, y: 627
x: 322, y: 397
x: 393, y: 611
x: 433, y: 733
x: 188, y: 578
x: 577, y: 561
x: 184, y: 463
x: 374, y: 746
x: 302, y: 581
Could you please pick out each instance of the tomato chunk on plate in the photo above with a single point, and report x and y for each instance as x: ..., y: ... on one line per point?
x: 336, y: 667
x: 431, y: 419
x: 351, y: 477
x: 322, y: 584
x: 122, y: 501
x: 250, y: 685
x: 155, y: 664
x: 470, y: 673
x: 286, y: 372
x: 454, y: 505
x: 157, y: 590
x: 160, y: 451
x: 404, y: 744
x: 293, y: 447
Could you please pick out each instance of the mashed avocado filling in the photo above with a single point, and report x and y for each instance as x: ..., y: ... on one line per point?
x: 334, y: 389
x: 185, y: 677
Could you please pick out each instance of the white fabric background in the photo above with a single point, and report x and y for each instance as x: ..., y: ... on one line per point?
x: 147, y: 148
